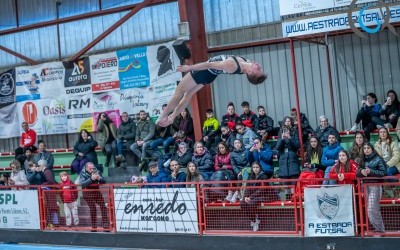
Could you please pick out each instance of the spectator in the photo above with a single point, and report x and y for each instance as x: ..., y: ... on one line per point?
x: 51, y: 207
x: 90, y: 178
x: 264, y: 124
x: 125, y: 138
x: 18, y: 176
x: 155, y: 176
x: 183, y: 123
x: 183, y: 156
x: 356, y: 153
x: 44, y: 155
x: 370, y: 108
x: 230, y: 119
x: 373, y: 165
x: 223, y: 159
x: 28, y: 139
x: 161, y: 136
x: 324, y: 130
x: 144, y: 134
x: 210, y: 129
x: 193, y: 175
x: 390, y: 109
x: 108, y: 133
x: 287, y: 146
x: 177, y: 175
x: 246, y: 135
x: 262, y: 154
x: 69, y: 196
x: 345, y: 170
x: 228, y: 136
x: 305, y: 124
x: 239, y: 157
x: 330, y: 156
x: 35, y: 174
x: 248, y: 118
x: 387, y: 148
x: 203, y: 160
x: 84, y: 151
x: 5, y: 180
x: 28, y: 156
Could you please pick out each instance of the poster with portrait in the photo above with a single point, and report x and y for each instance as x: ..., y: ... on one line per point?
x: 77, y: 77
x: 107, y: 103
x: 7, y: 87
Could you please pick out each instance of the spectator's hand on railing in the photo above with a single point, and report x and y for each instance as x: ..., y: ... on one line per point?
x: 247, y: 199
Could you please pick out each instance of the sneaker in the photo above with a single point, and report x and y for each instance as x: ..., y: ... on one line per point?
x: 388, y: 126
x: 354, y: 128
x: 255, y: 225
x: 229, y: 196
x: 119, y: 158
x: 379, y: 126
x: 234, y: 197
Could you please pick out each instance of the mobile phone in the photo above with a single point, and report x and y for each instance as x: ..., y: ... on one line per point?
x: 364, y: 97
x: 388, y: 99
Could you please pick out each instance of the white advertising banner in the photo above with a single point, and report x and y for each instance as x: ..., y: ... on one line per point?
x: 328, y: 211
x: 156, y: 210
x: 19, y: 209
x: 80, y: 113
x: 104, y: 72
x: 9, y: 121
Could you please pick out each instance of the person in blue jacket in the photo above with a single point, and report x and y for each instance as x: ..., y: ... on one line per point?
x: 262, y: 154
x: 155, y: 176
x: 177, y: 175
x: 330, y: 155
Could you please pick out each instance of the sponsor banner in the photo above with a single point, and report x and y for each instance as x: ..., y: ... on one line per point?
x: 106, y: 103
x: 77, y: 77
x: 79, y: 113
x: 9, y: 121
x: 7, y: 87
x: 19, y: 209
x: 156, y: 210
x: 328, y: 211
x: 40, y: 81
x: 104, y: 72
x: 337, y: 22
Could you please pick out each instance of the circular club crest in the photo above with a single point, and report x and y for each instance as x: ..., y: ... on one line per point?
x: 29, y: 112
x: 6, y: 84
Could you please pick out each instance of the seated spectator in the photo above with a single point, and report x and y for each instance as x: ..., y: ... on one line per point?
x: 356, y: 153
x: 125, y: 138
x: 183, y: 156
x: 248, y: 118
x: 387, y: 148
x: 108, y: 133
x: 390, y: 109
x: 246, y: 135
x: 370, y: 108
x: 44, y: 155
x: 193, y: 175
x: 264, y: 125
x: 28, y: 156
x: 28, y: 139
x: 344, y: 171
x: 17, y: 176
x: 372, y: 165
x: 35, y: 174
x: 161, y: 136
x: 223, y: 159
x: 184, y: 123
x: 324, y: 130
x: 203, y: 160
x: 177, y: 175
x: 69, y: 197
x: 287, y: 146
x: 228, y: 136
x: 210, y: 129
x: 305, y: 124
x: 330, y: 156
x: 155, y: 176
x: 180, y: 136
x: 239, y: 157
x: 84, y: 151
x: 5, y: 180
x: 230, y: 119
x: 262, y: 154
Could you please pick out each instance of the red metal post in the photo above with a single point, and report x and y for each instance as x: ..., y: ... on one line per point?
x: 16, y: 54
x: 330, y: 84
x: 296, y: 91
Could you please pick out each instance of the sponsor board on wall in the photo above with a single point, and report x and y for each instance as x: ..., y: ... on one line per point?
x: 104, y: 72
x: 9, y: 121
x: 156, y: 210
x: 7, y: 87
x: 79, y: 113
x: 19, y: 209
x: 77, y: 77
x: 328, y: 211
x: 106, y: 103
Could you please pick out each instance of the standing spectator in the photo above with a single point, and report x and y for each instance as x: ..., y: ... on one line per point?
x: 305, y: 124
x: 330, y: 156
x: 287, y: 146
x: 84, y: 151
x: 230, y: 119
x: 52, y: 209
x: 210, y: 129
x: 89, y: 178
x: 193, y: 175
x: 69, y: 196
x: 262, y: 154
x: 387, y: 148
x: 108, y: 133
x: 44, y: 155
x: 324, y: 130
x: 155, y: 176
x: 28, y: 140
x: 228, y: 136
x: 144, y: 134
x: 177, y: 175
x: 246, y: 135
x: 125, y: 137
x: 370, y: 108
x: 390, y: 109
x: 345, y: 170
x: 373, y: 165
x: 264, y: 124
x: 203, y: 160
x: 356, y: 153
x: 17, y: 176
x: 248, y: 118
x: 239, y: 157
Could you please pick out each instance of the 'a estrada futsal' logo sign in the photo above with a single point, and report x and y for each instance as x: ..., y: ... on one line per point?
x: 328, y: 206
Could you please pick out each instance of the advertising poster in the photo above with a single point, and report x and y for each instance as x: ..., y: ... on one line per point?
x: 9, y: 121
x: 104, y: 72
x: 77, y: 77
x: 79, y: 113
x: 133, y: 68
x: 7, y: 87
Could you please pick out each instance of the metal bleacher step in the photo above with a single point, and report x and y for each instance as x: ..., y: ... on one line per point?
x: 123, y: 171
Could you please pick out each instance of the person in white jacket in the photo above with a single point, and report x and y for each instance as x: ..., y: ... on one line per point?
x: 18, y: 176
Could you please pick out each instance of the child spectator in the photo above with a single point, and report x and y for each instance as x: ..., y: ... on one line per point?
x: 239, y: 157
x: 248, y: 118
x: 345, y: 170
x: 69, y: 196
x: 193, y: 175
x: 264, y: 125
x: 246, y: 135
x: 210, y: 129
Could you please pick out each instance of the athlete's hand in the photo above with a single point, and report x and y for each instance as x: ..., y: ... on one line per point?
x: 183, y: 68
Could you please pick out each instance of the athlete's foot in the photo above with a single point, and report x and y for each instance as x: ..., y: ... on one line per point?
x: 161, y: 119
x: 170, y: 119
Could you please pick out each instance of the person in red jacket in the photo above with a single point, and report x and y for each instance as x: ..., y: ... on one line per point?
x: 230, y: 119
x: 28, y: 140
x: 69, y: 196
x: 345, y: 170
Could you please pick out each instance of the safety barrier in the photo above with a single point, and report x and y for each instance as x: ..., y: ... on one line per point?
x: 270, y: 207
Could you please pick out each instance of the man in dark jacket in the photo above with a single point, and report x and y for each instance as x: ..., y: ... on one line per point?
x: 228, y: 136
x: 305, y: 124
x: 264, y: 125
x: 324, y: 130
x: 44, y: 155
x: 248, y: 118
x: 177, y: 175
x: 89, y: 178
x: 125, y: 137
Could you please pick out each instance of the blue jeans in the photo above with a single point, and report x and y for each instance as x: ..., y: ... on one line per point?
x: 168, y: 142
x: 326, y: 175
x: 120, y: 147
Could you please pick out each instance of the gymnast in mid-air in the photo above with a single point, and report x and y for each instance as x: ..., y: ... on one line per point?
x: 205, y: 73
